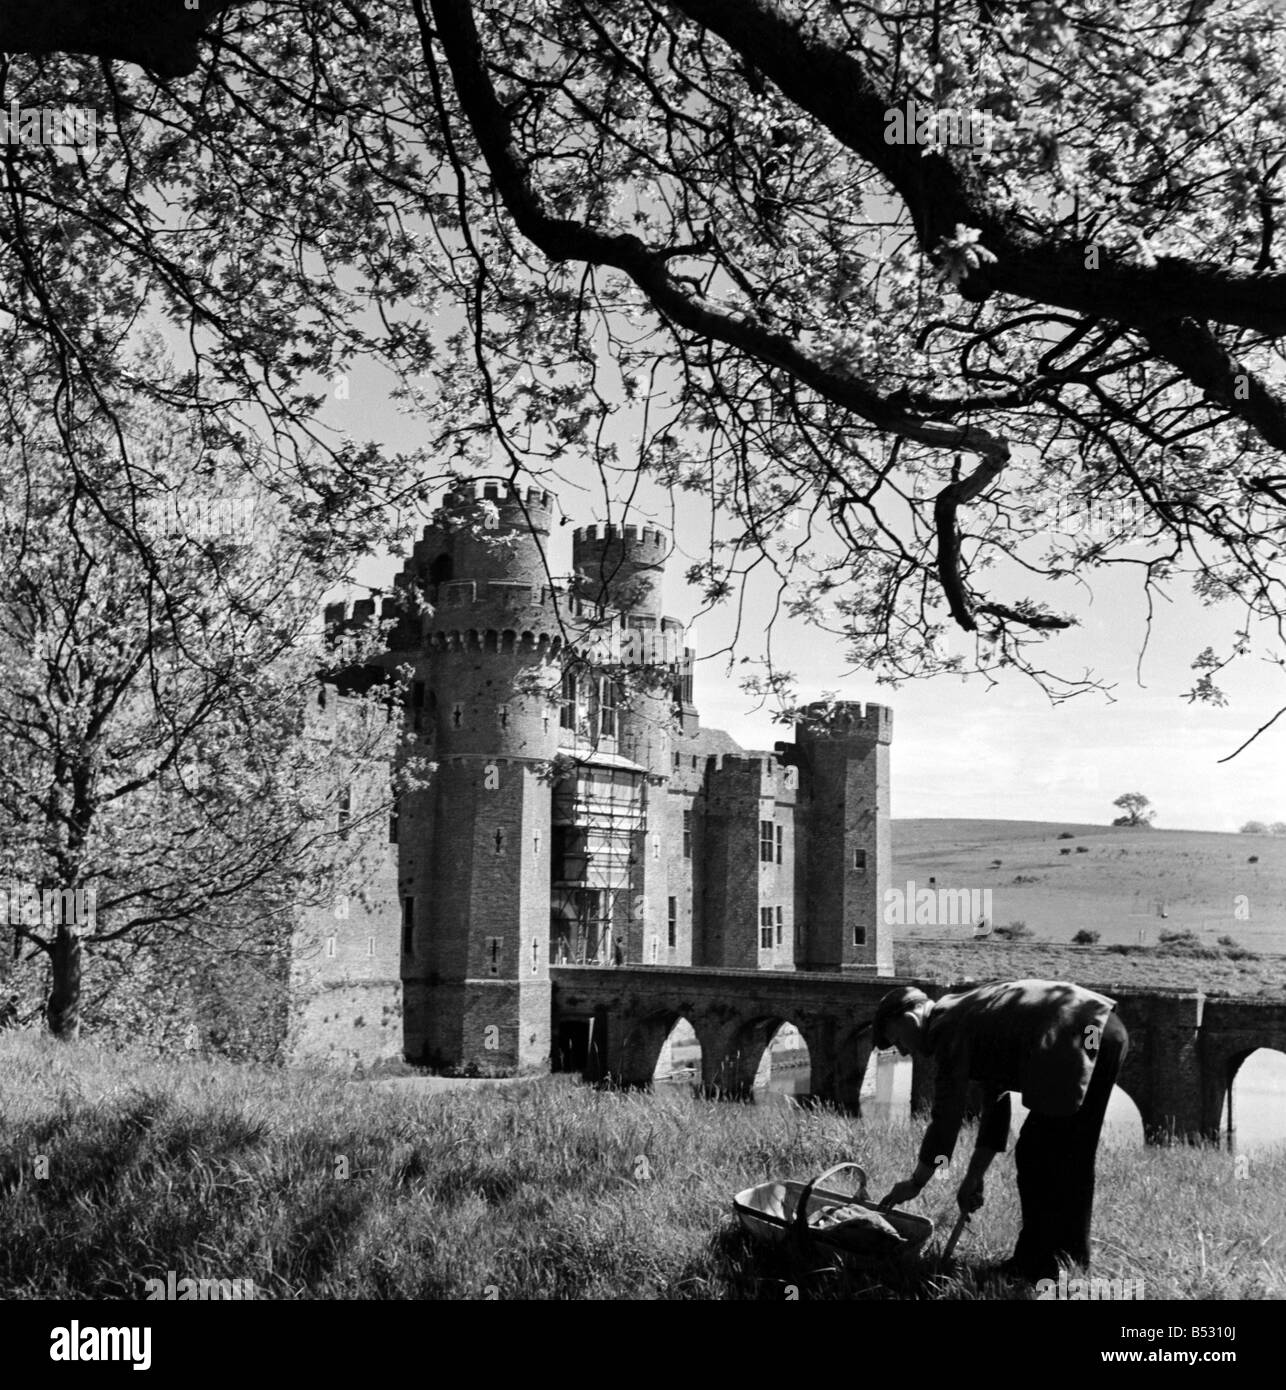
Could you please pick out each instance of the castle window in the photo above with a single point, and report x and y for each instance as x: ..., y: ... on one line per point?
x: 678, y: 759
x: 607, y: 702
x: 780, y: 925
x: 535, y: 955
x: 655, y: 948
x: 330, y: 947
x: 687, y: 834
x: 685, y: 679
x: 500, y: 840
x: 321, y: 697
x: 493, y: 955
x: 765, y: 928
x: 441, y: 571
x: 408, y: 926
x: 672, y: 921
x: 370, y: 945
x: 570, y: 695
x: 781, y: 839
x: 766, y: 841
x: 502, y: 715
x: 859, y: 860
x: 345, y: 815
x: 457, y: 715
x: 859, y: 936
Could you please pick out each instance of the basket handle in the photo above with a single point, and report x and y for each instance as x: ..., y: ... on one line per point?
x: 801, y: 1209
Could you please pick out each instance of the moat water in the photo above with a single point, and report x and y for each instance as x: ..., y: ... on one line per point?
x: 1259, y: 1100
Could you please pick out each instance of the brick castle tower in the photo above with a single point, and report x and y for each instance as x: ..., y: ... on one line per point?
x: 843, y: 752
x: 474, y: 850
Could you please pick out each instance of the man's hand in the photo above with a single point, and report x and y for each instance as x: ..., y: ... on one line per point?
x: 969, y: 1195
x: 901, y: 1192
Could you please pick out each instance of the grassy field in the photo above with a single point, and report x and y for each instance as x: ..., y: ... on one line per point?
x: 541, y: 1189
x: 1114, y: 881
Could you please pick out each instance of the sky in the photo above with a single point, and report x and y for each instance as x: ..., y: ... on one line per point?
x: 962, y: 747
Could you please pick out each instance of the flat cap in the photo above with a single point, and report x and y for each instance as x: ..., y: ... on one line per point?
x: 897, y: 1001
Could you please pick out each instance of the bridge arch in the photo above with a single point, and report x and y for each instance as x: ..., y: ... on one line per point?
x: 641, y: 1045
x: 1133, y: 1084
x: 1247, y: 1084
x: 746, y: 1045
x: 1125, y: 1125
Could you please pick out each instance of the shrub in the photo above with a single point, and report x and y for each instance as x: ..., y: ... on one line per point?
x: 1082, y: 849
x: 1254, y: 859
x: 1184, y: 942
x: 1085, y: 938
x: 1064, y: 851
x: 1026, y: 878
x: 1014, y: 931
x: 1066, y: 835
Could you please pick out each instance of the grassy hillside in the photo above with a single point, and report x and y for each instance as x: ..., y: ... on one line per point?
x: 317, y: 1187
x: 1128, y: 885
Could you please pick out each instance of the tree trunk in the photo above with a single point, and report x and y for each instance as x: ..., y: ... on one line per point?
x: 63, y: 1010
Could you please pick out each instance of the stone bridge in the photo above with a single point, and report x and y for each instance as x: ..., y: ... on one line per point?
x: 1185, y: 1048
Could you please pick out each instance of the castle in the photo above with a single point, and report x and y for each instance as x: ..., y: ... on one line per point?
x: 577, y: 811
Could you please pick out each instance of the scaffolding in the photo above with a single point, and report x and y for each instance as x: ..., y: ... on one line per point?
x: 599, y: 820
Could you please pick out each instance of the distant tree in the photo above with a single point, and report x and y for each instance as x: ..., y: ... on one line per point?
x: 1085, y: 938
x: 1136, y: 808
x: 1254, y: 827
x: 1278, y: 827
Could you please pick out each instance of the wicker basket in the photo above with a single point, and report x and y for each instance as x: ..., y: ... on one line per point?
x: 778, y: 1212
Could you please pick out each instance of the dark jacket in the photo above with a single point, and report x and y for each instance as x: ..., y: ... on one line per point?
x: 1037, y: 1037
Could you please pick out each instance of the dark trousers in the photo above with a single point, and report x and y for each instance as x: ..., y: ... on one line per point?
x: 1055, y: 1161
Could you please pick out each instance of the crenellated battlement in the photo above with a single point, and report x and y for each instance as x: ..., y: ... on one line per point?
x: 516, y: 506
x: 466, y: 494
x: 529, y: 641
x: 847, y: 719
x: 352, y: 613
x: 628, y: 535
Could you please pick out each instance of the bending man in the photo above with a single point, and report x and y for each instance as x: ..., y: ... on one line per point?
x: 1057, y: 1044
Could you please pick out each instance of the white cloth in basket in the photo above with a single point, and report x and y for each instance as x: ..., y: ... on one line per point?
x: 858, y: 1228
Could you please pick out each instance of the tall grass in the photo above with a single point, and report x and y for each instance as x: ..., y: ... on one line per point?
x: 540, y: 1189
